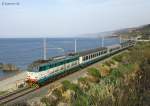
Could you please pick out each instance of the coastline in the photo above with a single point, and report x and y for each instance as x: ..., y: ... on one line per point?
x: 10, y: 83
x: 11, y: 74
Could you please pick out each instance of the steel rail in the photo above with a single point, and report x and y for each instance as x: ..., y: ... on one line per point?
x: 14, y: 95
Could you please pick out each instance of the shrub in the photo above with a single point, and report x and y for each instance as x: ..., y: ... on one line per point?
x: 94, y: 72
x: 68, y: 85
x: 104, y: 71
x: 116, y: 73
x: 108, y: 63
x: 117, y: 58
x: 57, y: 93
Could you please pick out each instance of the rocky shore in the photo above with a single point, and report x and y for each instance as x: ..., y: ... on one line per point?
x: 9, y: 67
x: 1, y: 65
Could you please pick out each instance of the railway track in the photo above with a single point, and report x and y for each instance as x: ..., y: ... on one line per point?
x: 14, y: 95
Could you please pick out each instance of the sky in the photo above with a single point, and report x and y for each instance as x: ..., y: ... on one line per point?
x: 70, y: 18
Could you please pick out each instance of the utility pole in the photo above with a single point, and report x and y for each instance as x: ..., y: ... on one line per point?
x: 120, y: 39
x: 75, y: 46
x: 44, y: 48
x: 102, y: 41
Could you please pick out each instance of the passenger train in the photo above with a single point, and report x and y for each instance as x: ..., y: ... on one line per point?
x: 43, y: 71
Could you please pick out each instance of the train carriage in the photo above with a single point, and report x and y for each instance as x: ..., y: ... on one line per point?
x: 114, y: 49
x: 89, y: 56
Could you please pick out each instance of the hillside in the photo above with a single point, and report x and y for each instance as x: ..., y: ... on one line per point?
x: 143, y: 31
x: 120, y: 81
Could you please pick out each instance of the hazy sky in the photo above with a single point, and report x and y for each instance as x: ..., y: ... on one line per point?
x: 61, y: 18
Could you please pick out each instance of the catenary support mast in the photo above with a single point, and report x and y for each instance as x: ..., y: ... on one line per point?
x: 44, y: 48
x: 102, y: 41
x: 120, y: 39
x: 75, y: 46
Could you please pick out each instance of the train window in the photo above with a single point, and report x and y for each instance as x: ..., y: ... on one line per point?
x: 92, y: 55
x: 97, y: 54
x: 49, y: 65
x: 35, y: 69
x: 86, y: 57
x: 46, y: 67
x: 110, y: 50
x: 42, y: 68
x: 83, y: 58
x: 62, y: 63
x: 101, y: 53
x: 56, y: 64
x: 89, y: 57
x: 53, y: 65
x: 67, y: 61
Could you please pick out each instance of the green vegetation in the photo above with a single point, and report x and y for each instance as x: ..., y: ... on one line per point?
x: 121, y: 81
x: 94, y: 72
x: 3, y: 92
x: 68, y: 85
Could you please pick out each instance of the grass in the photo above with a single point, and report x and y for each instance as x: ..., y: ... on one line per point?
x: 3, y: 92
x: 94, y: 72
x: 68, y: 85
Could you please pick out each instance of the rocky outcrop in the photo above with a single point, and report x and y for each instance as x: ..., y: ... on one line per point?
x: 1, y: 65
x: 9, y: 67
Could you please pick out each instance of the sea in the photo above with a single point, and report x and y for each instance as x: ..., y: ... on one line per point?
x: 23, y: 51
